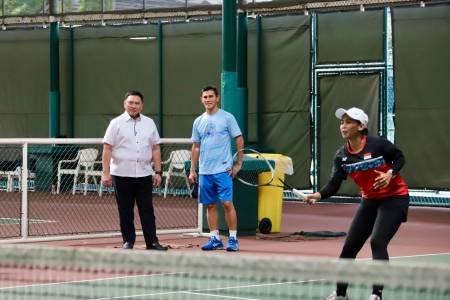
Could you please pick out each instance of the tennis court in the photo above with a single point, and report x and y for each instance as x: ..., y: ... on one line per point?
x: 96, y: 274
x: 284, y: 70
x: 275, y: 266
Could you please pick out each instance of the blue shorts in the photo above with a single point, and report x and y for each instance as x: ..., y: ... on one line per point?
x: 216, y: 187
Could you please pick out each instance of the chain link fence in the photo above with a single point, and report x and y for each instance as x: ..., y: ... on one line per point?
x: 17, y: 13
x: 61, y: 194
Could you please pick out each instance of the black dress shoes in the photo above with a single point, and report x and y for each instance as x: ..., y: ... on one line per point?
x: 128, y: 245
x: 157, y: 246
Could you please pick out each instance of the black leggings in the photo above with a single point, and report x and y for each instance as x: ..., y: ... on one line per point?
x: 380, y: 218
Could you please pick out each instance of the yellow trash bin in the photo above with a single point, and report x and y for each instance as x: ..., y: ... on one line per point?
x: 270, y: 198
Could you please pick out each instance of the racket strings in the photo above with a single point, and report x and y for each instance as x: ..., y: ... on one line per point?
x: 255, y: 170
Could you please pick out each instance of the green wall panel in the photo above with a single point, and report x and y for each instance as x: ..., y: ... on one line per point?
x: 343, y: 91
x: 107, y: 64
x: 285, y: 99
x: 350, y: 36
x: 422, y: 89
x: 252, y: 126
x: 192, y: 59
x: 24, y: 83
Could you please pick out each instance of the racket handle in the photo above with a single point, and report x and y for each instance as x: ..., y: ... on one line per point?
x: 299, y: 194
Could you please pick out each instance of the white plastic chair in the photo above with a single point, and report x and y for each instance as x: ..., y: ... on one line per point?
x: 10, y: 175
x: 176, y: 162
x: 6, y: 175
x: 93, y: 172
x: 85, y: 161
x: 17, y: 174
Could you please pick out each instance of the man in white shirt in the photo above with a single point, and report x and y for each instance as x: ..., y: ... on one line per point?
x: 130, y: 145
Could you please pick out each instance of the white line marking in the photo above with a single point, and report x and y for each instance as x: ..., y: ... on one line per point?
x: 17, y: 220
x: 82, y: 281
x: 256, y: 285
x: 219, y: 296
x: 421, y: 255
x: 408, y: 256
x: 201, y: 290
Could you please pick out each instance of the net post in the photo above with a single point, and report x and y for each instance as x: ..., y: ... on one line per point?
x: 24, y: 187
x: 200, y: 217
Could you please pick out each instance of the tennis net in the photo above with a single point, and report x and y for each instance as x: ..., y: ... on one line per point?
x: 30, y: 272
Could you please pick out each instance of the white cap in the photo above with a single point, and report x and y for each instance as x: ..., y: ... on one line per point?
x: 354, y: 113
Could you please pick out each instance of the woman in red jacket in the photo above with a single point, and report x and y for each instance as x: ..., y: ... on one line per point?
x: 374, y: 164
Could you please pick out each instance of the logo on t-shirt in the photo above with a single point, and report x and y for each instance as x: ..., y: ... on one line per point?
x: 210, y: 129
x: 367, y: 155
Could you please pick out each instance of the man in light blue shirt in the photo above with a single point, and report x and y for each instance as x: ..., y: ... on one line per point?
x: 212, y: 133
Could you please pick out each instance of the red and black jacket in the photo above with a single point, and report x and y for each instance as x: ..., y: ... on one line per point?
x: 377, y: 154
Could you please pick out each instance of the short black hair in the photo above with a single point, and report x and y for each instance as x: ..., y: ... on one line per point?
x: 210, y: 88
x: 365, y: 131
x: 135, y: 93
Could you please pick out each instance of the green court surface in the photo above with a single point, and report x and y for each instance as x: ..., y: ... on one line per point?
x: 184, y: 286
x: 440, y: 258
x: 15, y: 221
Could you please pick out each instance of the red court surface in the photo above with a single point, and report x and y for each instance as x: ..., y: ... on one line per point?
x: 426, y: 232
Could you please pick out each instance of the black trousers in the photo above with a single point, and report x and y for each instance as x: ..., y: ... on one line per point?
x: 128, y: 191
x: 379, y: 218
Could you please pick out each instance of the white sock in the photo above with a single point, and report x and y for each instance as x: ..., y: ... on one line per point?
x: 215, y: 233
x: 233, y: 234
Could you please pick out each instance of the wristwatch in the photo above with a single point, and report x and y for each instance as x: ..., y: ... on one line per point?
x: 158, y: 172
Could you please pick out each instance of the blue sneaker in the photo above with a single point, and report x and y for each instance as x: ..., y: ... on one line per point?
x: 213, y: 244
x: 232, y: 244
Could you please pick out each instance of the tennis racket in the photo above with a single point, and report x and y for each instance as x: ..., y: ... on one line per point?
x: 253, y: 164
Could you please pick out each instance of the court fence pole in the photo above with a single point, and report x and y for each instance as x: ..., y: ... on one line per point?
x: 24, y: 181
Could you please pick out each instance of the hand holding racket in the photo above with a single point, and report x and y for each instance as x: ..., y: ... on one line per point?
x: 300, y: 195
x: 312, y: 198
x: 235, y: 169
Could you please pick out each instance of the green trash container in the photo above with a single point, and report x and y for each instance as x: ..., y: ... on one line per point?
x: 46, y: 158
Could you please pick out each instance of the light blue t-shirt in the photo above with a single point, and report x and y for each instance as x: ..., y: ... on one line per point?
x: 214, y: 133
